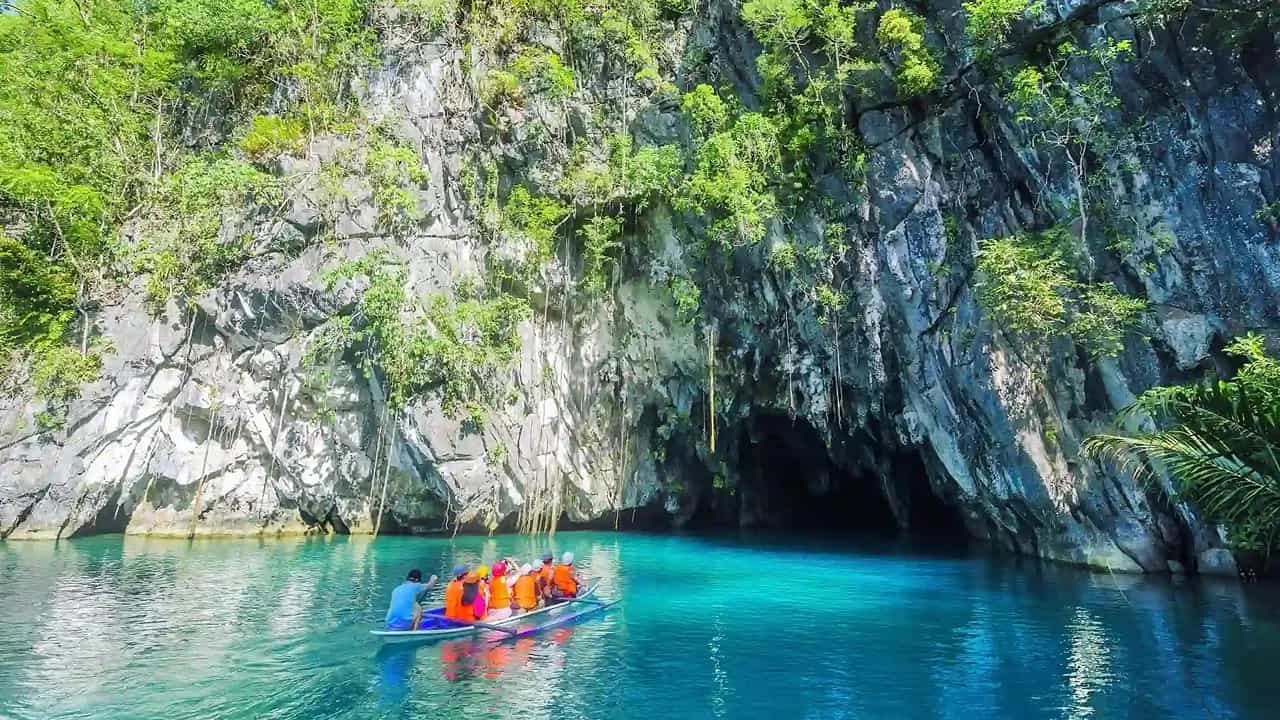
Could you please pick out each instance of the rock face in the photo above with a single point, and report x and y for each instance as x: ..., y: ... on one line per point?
x: 911, y: 407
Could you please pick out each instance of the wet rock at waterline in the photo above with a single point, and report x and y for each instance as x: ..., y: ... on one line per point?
x: 910, y: 412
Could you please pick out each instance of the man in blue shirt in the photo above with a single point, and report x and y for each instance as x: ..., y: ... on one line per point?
x: 405, y: 611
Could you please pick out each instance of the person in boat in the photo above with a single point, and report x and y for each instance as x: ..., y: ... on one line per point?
x: 500, y: 592
x: 547, y: 575
x: 453, y: 605
x: 565, y: 581
x: 524, y: 592
x: 481, y: 604
x: 405, y: 610
x: 467, y: 601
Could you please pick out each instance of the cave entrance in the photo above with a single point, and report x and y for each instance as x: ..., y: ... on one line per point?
x: 790, y: 481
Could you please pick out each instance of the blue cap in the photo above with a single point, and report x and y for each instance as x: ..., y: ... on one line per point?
x: 548, y: 557
x: 459, y: 570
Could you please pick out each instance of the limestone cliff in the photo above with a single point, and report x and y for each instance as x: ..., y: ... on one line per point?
x: 906, y: 396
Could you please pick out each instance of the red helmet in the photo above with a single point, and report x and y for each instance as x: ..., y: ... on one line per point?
x: 499, y: 569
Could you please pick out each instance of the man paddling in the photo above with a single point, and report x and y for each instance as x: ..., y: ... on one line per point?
x: 405, y: 610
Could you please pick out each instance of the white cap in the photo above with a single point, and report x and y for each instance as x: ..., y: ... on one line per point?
x: 525, y: 569
x: 567, y: 558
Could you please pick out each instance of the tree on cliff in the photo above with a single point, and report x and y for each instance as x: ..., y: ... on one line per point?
x: 1220, y: 440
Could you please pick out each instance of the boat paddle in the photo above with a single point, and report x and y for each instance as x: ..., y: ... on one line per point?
x: 479, y: 624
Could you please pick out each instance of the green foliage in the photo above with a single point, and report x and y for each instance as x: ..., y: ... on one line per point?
x: 1220, y: 441
x: 543, y: 73
x: 56, y: 376
x: 429, y: 17
x: 457, y: 350
x: 830, y: 303
x: 87, y: 136
x: 185, y: 249
x: 779, y: 23
x: 990, y: 20
x: 1022, y: 287
x: 625, y: 175
x: 782, y: 257
x: 1027, y: 287
x: 77, y: 109
x: 500, y: 88
x: 599, y: 241
x: 1103, y: 317
x: 688, y: 297
x: 730, y: 180
x: 533, y: 222
x: 1269, y: 213
x: 704, y: 109
x: 395, y: 170
x: 1072, y: 116
x: 269, y: 136
x: 59, y: 372
x: 36, y: 297
x: 807, y: 100
x: 903, y: 31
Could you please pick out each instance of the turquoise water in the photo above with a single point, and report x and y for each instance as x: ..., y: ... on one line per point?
x: 115, y: 627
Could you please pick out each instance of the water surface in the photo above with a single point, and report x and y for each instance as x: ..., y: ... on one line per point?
x: 710, y: 627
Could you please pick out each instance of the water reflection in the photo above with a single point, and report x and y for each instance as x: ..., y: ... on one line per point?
x: 1088, y: 666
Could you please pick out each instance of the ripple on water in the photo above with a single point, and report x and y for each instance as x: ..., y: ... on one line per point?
x: 710, y: 627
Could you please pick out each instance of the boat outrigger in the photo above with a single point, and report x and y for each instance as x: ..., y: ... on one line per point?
x: 435, y: 626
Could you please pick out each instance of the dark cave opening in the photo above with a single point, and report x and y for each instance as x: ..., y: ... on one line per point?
x: 790, y: 481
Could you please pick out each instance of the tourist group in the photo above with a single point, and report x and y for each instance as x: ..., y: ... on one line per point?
x: 487, y: 593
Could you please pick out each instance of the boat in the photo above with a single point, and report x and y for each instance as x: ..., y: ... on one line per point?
x: 434, y: 626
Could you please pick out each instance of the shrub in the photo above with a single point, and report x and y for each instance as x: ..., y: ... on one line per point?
x: 704, y: 109
x: 184, y: 248
x: 269, y: 136
x: 780, y: 23
x: 1028, y: 289
x: 990, y: 20
x: 830, y: 303
x: 730, y: 180
x: 535, y: 222
x: 627, y: 174
x: 544, y: 73
x: 36, y: 299
x: 395, y: 170
x: 903, y: 31
x: 688, y: 297
x: 430, y: 16
x: 499, y: 89
x: 455, y: 350
x: 782, y: 256
x: 599, y: 240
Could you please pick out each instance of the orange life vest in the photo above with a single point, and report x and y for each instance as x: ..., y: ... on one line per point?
x: 527, y: 592
x: 453, y: 600
x: 546, y: 577
x: 471, y: 591
x: 565, y: 581
x: 499, y: 593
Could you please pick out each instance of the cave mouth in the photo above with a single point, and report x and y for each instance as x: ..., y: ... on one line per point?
x: 790, y: 481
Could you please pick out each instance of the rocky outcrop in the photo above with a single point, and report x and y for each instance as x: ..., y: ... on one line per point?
x: 207, y: 420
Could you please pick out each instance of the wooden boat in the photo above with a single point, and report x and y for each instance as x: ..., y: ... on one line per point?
x: 434, y: 626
